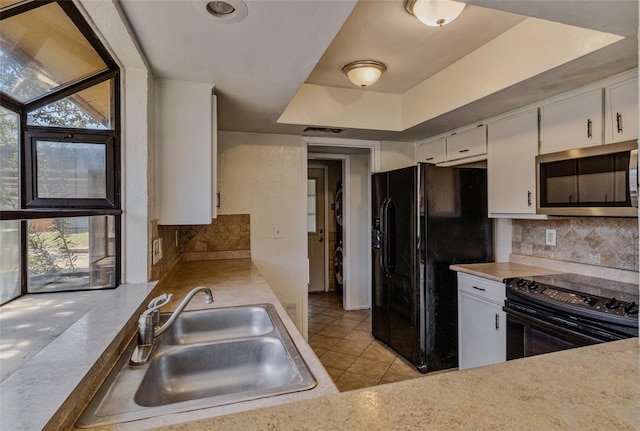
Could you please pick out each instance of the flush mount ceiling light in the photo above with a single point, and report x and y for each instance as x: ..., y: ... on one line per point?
x: 226, y: 11
x: 434, y: 13
x: 364, y: 73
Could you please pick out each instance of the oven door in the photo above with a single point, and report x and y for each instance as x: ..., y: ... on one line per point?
x: 533, y: 332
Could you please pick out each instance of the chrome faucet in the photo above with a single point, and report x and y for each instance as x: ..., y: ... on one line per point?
x: 148, y: 323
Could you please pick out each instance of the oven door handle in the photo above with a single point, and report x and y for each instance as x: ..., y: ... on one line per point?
x: 596, y: 335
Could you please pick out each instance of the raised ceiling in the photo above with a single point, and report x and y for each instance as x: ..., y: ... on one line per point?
x: 259, y: 64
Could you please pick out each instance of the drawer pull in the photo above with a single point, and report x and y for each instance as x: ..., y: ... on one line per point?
x: 464, y: 151
x: 429, y: 158
x: 479, y: 288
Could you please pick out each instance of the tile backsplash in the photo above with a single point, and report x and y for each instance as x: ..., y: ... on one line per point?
x: 227, y: 237
x: 599, y: 241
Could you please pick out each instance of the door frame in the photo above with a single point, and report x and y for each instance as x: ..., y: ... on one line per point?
x: 374, y: 165
x: 325, y: 227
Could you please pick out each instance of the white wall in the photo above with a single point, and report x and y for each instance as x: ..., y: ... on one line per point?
x: 396, y: 155
x: 359, y: 232
x: 261, y: 175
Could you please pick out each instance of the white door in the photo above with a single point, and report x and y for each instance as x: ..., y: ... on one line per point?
x: 316, y: 229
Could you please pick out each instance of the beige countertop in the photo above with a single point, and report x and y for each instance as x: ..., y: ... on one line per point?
x: 498, y: 271
x: 590, y: 388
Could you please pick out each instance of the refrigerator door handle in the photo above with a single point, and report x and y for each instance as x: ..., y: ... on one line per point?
x: 386, y: 228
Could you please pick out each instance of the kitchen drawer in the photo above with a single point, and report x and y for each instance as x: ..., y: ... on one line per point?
x: 482, y: 288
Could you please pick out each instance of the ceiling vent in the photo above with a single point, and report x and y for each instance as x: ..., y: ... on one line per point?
x: 322, y: 130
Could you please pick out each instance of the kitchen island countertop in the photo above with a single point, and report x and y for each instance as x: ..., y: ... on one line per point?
x: 589, y: 388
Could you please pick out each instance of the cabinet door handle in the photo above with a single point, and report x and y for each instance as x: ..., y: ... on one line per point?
x: 497, y: 322
x: 428, y: 158
x: 464, y: 151
x: 589, y: 131
x: 619, y: 121
x: 529, y: 197
x: 479, y: 288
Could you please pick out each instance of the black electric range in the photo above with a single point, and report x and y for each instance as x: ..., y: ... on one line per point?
x: 561, y: 311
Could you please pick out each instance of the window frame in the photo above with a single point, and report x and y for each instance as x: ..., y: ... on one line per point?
x: 31, y: 207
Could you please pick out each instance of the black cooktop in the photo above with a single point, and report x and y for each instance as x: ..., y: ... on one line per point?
x: 579, y: 295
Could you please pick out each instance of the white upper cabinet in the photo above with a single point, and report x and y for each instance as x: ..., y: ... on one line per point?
x: 469, y: 143
x: 434, y: 151
x: 572, y: 123
x: 186, y: 136
x: 511, y: 176
x: 622, y: 112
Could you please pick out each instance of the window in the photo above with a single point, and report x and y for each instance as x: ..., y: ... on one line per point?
x: 59, y: 152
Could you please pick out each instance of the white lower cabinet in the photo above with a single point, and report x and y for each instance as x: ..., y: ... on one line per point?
x: 482, y: 325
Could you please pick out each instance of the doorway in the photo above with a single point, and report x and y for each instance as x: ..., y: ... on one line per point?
x: 317, y: 227
x: 324, y: 225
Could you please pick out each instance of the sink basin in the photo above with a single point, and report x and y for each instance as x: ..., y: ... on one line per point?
x: 223, y: 369
x: 209, y: 358
x: 217, y: 324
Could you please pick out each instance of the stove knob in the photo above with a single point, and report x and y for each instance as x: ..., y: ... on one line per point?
x: 521, y: 282
x: 631, y: 309
x: 533, y: 286
x: 612, y: 304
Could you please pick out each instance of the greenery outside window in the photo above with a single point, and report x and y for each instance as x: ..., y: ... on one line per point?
x: 60, y: 152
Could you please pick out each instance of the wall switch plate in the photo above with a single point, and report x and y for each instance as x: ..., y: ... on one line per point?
x: 551, y: 237
x: 277, y: 232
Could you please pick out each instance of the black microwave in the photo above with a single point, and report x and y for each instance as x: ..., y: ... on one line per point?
x: 592, y: 181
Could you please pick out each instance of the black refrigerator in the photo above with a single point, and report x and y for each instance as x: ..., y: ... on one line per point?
x: 425, y: 218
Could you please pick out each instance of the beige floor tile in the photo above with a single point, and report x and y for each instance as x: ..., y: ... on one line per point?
x: 349, y: 382
x: 338, y: 360
x: 323, y: 341
x: 359, y: 315
x: 351, y: 347
x: 333, y: 312
x: 345, y: 323
x: 319, y: 351
x: 400, y: 371
x: 361, y: 336
x: 314, y: 328
x: 334, y: 373
x: 364, y: 326
x: 370, y: 368
x: 321, y: 318
x: 332, y: 331
x: 378, y: 352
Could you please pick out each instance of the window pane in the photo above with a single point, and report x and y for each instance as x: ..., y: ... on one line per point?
x: 311, y: 206
x: 71, y: 253
x: 9, y: 260
x: 41, y: 50
x: 70, y: 170
x: 88, y: 109
x: 9, y: 132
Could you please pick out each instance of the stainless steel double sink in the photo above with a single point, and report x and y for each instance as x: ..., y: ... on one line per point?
x: 208, y: 358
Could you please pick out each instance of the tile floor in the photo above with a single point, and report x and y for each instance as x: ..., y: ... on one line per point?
x: 343, y: 342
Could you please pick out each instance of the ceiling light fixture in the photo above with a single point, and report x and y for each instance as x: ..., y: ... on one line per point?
x: 364, y: 73
x: 226, y: 11
x: 434, y: 13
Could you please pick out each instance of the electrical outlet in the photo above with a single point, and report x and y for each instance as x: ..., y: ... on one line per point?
x: 277, y: 232
x: 155, y: 251
x: 159, y: 248
x: 551, y: 237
